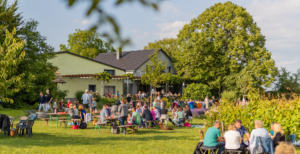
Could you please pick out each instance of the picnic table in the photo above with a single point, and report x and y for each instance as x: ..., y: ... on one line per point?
x: 110, y: 120
x: 56, y: 114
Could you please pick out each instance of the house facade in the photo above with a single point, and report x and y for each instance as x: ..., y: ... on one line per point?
x: 77, y: 71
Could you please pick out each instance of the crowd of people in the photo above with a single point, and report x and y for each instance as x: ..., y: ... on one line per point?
x: 238, y: 138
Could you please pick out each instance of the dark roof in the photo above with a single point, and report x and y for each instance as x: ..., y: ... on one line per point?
x: 89, y: 59
x: 130, y: 60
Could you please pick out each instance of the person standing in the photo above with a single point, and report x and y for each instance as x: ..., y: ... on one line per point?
x: 42, y: 102
x: 123, y: 111
x: 90, y: 101
x: 85, y: 99
x: 206, y: 102
x: 49, y: 99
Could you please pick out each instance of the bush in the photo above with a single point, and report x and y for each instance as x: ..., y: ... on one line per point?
x: 260, y: 108
x: 78, y: 95
x: 196, y: 91
x: 229, y: 95
x: 105, y: 100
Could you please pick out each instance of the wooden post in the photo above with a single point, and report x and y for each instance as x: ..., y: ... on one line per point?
x: 222, y: 127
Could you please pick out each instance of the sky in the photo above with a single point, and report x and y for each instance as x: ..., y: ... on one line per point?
x: 278, y: 20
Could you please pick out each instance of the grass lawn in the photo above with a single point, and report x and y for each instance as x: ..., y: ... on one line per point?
x: 52, y: 140
x: 62, y: 141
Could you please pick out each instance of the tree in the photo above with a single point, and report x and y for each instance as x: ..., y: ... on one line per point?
x: 86, y: 43
x: 11, y: 55
x: 222, y: 41
x: 196, y: 91
x: 169, y: 45
x: 9, y: 19
x: 285, y: 80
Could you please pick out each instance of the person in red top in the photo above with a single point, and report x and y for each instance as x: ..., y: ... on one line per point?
x: 68, y: 104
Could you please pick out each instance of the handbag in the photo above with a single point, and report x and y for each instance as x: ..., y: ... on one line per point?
x: 259, y: 149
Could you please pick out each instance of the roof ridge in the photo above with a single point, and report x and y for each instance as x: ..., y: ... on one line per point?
x: 129, y: 51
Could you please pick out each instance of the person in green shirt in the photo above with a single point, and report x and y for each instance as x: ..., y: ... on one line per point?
x: 155, y: 103
x: 178, y: 115
x: 136, y: 117
x: 212, y: 136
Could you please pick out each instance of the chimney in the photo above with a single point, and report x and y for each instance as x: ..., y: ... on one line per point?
x: 119, y: 53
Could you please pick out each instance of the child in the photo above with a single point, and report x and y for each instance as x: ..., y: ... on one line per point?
x: 152, y: 112
x: 61, y: 104
x: 71, y: 111
x: 76, y: 103
x: 54, y: 104
x: 129, y: 119
x: 75, y: 112
x: 68, y: 104
x: 94, y: 103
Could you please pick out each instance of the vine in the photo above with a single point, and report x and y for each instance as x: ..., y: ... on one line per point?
x: 103, y: 76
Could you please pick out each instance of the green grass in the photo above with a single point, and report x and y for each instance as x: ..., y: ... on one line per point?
x: 52, y: 140
x: 62, y: 141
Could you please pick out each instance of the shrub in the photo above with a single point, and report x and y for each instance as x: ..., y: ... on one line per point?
x: 78, y: 95
x: 196, y: 91
x: 260, y: 108
x: 229, y: 95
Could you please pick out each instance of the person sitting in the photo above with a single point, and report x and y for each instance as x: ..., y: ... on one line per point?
x: 259, y: 131
x: 188, y: 113
x: 108, y: 109
x: 191, y: 104
x: 157, y: 114
x: 71, y: 111
x: 103, y: 114
x: 279, y: 135
x: 82, y: 113
x: 271, y: 134
x: 233, y: 140
x: 285, y: 148
x: 178, y: 116
x: 147, y: 115
x: 153, y: 113
x: 164, y: 115
x: 213, y: 138
x: 136, y: 118
x: 243, y: 131
x: 75, y: 112
x: 129, y: 119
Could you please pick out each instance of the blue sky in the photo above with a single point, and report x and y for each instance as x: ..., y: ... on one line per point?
x: 278, y: 20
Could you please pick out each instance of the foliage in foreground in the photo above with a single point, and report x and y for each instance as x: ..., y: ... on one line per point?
x: 285, y: 112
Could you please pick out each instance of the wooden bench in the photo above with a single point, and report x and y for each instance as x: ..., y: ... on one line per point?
x: 98, y: 125
x: 232, y: 151
x: 45, y: 120
x: 127, y: 126
x: 154, y: 121
x: 211, y: 150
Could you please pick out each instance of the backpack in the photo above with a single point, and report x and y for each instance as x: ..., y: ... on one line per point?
x: 82, y: 125
x: 115, y: 129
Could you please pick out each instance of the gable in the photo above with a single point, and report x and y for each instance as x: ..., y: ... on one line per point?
x: 69, y: 63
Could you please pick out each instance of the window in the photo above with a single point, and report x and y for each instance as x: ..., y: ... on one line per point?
x: 111, y: 72
x: 169, y: 69
x: 92, y: 87
x: 110, y: 89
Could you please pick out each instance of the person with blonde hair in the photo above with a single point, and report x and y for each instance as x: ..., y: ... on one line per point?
x: 285, y: 148
x: 278, y: 135
x: 259, y: 131
x: 233, y: 140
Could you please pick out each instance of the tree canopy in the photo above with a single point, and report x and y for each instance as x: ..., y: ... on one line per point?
x: 221, y: 43
x: 86, y: 43
x: 169, y: 45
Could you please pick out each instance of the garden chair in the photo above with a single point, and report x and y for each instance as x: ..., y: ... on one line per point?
x: 27, y: 128
x: 291, y: 138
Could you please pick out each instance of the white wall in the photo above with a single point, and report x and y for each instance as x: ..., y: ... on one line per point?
x: 161, y: 56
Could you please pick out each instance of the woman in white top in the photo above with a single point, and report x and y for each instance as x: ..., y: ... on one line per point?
x: 233, y: 140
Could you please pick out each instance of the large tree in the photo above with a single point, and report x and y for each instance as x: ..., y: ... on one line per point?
x: 86, y: 43
x: 223, y: 41
x: 287, y: 82
x: 11, y: 55
x: 169, y: 45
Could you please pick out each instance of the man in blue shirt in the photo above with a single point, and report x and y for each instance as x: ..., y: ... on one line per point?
x: 213, y: 139
x: 242, y: 130
x: 85, y: 99
x: 42, y: 102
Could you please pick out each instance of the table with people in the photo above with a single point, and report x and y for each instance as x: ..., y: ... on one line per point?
x: 238, y: 138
